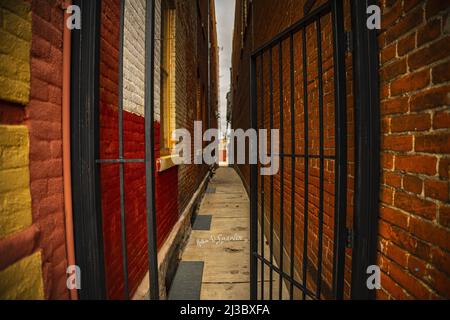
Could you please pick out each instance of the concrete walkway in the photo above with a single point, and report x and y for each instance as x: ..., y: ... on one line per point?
x: 225, y: 248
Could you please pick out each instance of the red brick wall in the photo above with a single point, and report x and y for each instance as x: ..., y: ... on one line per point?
x: 44, y: 121
x: 134, y: 182
x: 192, y: 76
x: 135, y: 201
x: 42, y: 115
x: 287, y: 13
x: 414, y: 232
x: 414, y: 248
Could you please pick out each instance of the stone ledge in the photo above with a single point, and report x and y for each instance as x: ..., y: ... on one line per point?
x: 170, y: 253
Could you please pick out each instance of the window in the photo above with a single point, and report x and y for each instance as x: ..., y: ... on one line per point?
x: 167, y: 78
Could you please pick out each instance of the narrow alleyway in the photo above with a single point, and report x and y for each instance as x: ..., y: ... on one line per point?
x: 224, y: 249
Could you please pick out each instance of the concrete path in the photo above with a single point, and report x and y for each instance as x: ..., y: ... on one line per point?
x: 225, y: 249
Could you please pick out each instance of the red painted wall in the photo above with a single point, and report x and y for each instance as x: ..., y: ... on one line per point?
x: 134, y: 183
x: 135, y: 200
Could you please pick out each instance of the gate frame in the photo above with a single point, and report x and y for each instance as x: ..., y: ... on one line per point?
x: 87, y: 215
x: 85, y: 138
x: 367, y: 148
x: 335, y: 8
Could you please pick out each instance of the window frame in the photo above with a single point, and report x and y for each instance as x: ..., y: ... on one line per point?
x: 168, y: 18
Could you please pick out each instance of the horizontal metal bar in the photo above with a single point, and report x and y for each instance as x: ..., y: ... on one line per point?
x: 310, y: 18
x: 311, y: 156
x: 286, y: 276
x: 119, y: 161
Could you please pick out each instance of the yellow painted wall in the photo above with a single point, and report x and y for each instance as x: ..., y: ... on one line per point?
x: 15, y: 196
x: 15, y: 46
x: 23, y: 280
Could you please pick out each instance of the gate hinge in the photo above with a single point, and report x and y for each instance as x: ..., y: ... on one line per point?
x: 349, y: 238
x: 349, y: 41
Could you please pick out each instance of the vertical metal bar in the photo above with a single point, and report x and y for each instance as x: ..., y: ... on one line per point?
x: 209, y: 64
x: 321, y: 169
x: 271, y: 179
x: 253, y: 189
x: 367, y: 146
x: 341, y: 148
x: 262, y: 179
x: 280, y: 66
x: 85, y: 107
x: 291, y: 49
x: 121, y: 164
x: 306, y: 164
x: 149, y: 149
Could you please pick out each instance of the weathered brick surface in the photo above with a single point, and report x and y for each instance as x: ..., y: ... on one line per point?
x: 134, y: 148
x: 134, y: 57
x: 417, y: 35
x: 414, y: 190
x: 191, y: 84
x: 44, y: 122
x: 23, y: 280
x: 287, y: 13
x: 176, y: 183
x: 42, y: 116
x: 15, y: 198
x: 15, y: 44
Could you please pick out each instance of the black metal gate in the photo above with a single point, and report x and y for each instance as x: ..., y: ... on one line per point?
x: 85, y: 151
x: 296, y: 261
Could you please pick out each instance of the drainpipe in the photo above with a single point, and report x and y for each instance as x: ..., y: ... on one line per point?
x: 209, y: 71
x: 66, y: 146
x: 209, y: 64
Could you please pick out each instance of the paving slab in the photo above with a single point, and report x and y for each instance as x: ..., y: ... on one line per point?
x: 225, y: 248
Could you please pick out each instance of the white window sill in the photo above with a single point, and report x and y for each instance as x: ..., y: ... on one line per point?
x: 166, y: 163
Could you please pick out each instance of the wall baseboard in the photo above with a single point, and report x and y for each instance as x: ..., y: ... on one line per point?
x: 170, y: 253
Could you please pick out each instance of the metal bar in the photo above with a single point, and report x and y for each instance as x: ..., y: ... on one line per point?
x: 341, y: 148
x: 262, y: 178
x: 308, y: 6
x: 311, y: 156
x: 209, y: 64
x: 121, y: 168
x: 118, y: 161
x: 315, y: 14
x: 286, y: 276
x: 271, y: 178
x: 367, y: 146
x: 322, y: 164
x: 149, y: 149
x: 306, y: 163
x: 85, y: 97
x: 253, y: 189
x: 280, y: 67
x: 291, y: 50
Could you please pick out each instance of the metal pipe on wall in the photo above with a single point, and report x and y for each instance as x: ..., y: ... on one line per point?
x: 209, y: 64
x: 149, y: 149
x: 67, y: 164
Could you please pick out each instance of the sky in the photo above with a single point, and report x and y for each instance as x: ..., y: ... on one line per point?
x: 225, y: 26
